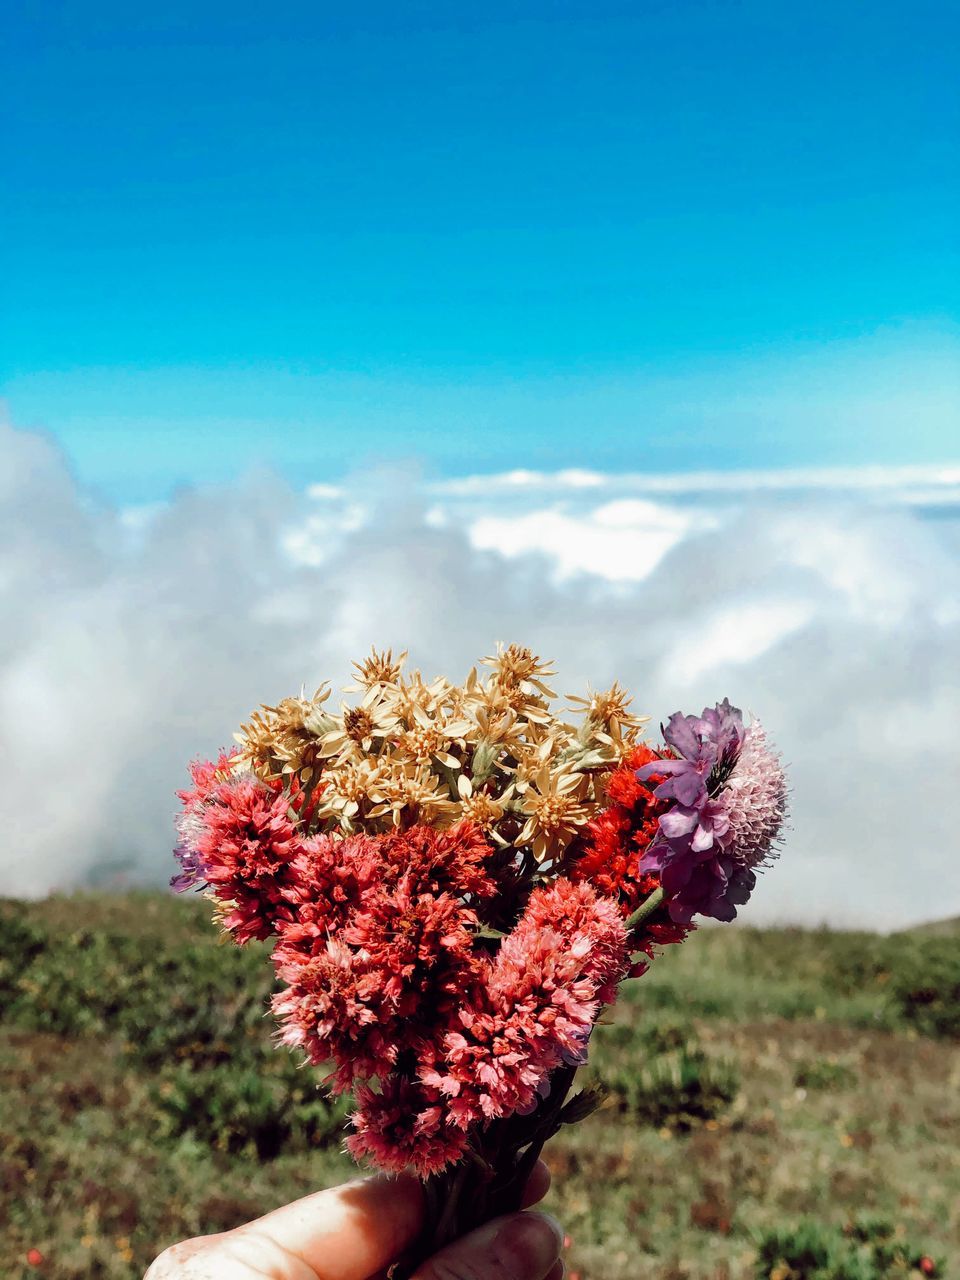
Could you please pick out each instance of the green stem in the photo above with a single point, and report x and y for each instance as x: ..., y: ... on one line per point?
x: 645, y: 910
x: 508, y: 1195
x: 446, y: 1228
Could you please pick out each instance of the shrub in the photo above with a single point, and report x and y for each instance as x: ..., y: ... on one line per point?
x: 196, y: 1002
x: 21, y: 941
x: 868, y: 1250
x: 641, y: 1037
x: 677, y: 1090
x: 925, y: 984
x: 214, y: 1002
x: 653, y: 1069
x: 824, y: 1073
x: 246, y: 1112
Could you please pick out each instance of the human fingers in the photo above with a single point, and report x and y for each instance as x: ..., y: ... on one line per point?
x: 348, y: 1232
x: 538, y: 1185
x: 344, y: 1233
x: 521, y: 1246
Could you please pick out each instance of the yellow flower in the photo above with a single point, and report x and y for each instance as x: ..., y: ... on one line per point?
x: 482, y: 808
x: 362, y: 728
x: 515, y: 665
x: 348, y: 786
x: 409, y: 793
x: 284, y: 739
x: 608, y: 718
x: 496, y: 720
x: 552, y: 803
x: 518, y: 683
x: 433, y: 737
x: 492, y: 751
x: 379, y: 669
x: 415, y: 697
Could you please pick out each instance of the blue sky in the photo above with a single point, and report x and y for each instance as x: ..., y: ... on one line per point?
x: 668, y: 235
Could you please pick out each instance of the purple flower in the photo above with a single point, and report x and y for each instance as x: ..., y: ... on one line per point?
x: 190, y: 827
x: 707, y: 745
x: 714, y: 888
x: 192, y: 873
x: 729, y: 801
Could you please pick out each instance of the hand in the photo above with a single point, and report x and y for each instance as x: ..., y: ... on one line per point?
x: 355, y: 1232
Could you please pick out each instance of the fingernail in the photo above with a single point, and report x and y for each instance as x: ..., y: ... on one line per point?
x: 529, y: 1245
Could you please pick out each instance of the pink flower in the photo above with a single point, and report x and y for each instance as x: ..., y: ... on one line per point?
x: 247, y: 849
x: 756, y: 801
x: 334, y: 1008
x: 206, y: 776
x: 420, y: 943
x: 534, y: 1006
x: 376, y: 952
x: 584, y: 918
x: 332, y: 877
x: 400, y: 1128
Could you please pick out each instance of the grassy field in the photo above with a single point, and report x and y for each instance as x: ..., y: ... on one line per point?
x: 781, y: 1104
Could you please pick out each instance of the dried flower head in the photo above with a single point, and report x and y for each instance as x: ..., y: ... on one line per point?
x: 553, y: 808
x: 281, y: 741
x: 608, y: 714
x: 381, y: 668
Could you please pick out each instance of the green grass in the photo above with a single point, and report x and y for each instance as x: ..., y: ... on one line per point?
x: 780, y: 1104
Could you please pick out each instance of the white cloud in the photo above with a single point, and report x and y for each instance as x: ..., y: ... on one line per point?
x: 622, y: 541
x: 733, y: 635
x: 131, y: 645
x: 908, y: 485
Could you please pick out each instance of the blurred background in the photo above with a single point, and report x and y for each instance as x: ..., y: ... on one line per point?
x: 629, y: 332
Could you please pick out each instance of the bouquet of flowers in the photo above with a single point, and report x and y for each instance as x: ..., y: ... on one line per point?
x: 456, y: 880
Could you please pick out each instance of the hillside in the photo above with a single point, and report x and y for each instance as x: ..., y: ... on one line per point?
x: 939, y: 928
x: 772, y: 1095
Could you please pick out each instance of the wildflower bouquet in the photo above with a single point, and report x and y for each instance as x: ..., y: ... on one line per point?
x: 456, y: 880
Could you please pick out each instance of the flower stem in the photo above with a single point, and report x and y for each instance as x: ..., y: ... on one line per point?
x: 446, y: 1228
x: 645, y: 909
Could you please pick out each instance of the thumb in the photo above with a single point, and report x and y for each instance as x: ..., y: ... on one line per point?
x: 522, y: 1246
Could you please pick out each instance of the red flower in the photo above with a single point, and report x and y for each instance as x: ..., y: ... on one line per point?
x: 247, y: 846
x: 335, y: 1008
x: 534, y: 1007
x: 400, y: 1128
x: 335, y: 876
x: 331, y: 878
x: 453, y: 861
x: 35, y: 1258
x: 380, y: 949
x: 418, y: 942
x: 660, y: 933
x: 590, y: 927
x: 207, y: 776
x: 613, y: 843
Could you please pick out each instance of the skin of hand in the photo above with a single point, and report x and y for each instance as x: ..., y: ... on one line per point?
x: 356, y: 1231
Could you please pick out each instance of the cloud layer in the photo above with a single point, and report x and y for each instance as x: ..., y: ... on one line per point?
x: 133, y: 641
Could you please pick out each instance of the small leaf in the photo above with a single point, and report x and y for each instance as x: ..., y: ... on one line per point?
x: 583, y: 1104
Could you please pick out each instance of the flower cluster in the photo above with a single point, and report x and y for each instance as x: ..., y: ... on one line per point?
x: 490, y: 751
x: 455, y: 880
